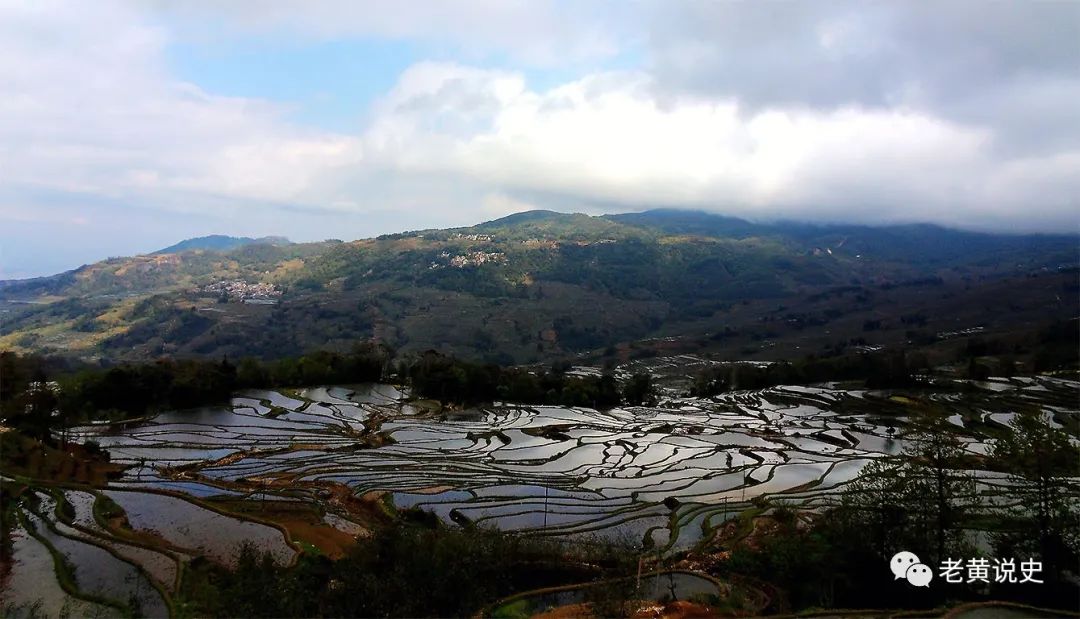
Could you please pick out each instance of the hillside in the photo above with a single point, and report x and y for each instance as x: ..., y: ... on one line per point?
x: 541, y: 285
x: 219, y: 242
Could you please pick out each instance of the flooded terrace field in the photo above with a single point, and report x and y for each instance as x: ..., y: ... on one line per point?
x: 551, y: 470
x: 664, y: 478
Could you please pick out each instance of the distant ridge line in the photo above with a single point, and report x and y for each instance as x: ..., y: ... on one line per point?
x: 220, y: 242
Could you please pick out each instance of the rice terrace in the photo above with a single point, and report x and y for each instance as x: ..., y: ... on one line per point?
x: 675, y: 484
x: 539, y: 309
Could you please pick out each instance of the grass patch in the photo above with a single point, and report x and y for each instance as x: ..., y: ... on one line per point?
x: 517, y: 609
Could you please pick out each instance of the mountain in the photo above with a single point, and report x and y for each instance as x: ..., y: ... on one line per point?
x: 676, y: 221
x: 919, y: 243
x: 541, y: 285
x: 219, y: 242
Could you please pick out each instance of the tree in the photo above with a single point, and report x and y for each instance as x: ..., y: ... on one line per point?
x: 1045, y: 462
x: 607, y: 391
x: 875, y: 504
x: 38, y: 403
x: 916, y: 502
x: 639, y: 390
x: 251, y: 373
x: 936, y: 483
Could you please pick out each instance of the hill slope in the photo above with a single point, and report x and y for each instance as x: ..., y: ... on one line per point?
x: 541, y: 285
x: 219, y: 242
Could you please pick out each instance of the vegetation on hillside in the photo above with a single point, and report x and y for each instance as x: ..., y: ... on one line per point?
x: 1054, y: 349
x: 537, y: 286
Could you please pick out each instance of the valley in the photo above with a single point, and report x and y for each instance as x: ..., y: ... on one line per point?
x: 539, y: 309
x: 664, y: 412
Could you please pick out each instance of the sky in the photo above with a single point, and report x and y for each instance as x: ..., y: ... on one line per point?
x: 126, y: 126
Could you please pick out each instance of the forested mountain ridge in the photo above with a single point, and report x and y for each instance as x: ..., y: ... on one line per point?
x: 220, y: 242
x: 538, y: 285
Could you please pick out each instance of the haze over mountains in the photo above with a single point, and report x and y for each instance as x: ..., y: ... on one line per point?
x: 539, y: 285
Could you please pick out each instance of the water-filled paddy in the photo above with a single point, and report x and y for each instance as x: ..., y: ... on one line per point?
x: 548, y: 469
x: 98, y: 572
x: 667, y: 477
x: 31, y: 584
x: 192, y: 527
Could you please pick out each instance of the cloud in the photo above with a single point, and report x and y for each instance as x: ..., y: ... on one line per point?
x: 1013, y: 65
x: 94, y: 110
x: 955, y: 113
x: 609, y: 140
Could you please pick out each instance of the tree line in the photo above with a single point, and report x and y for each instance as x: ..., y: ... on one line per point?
x: 38, y: 393
x: 448, y: 379
x: 880, y: 369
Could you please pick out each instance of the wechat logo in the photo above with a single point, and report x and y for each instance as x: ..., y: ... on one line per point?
x: 906, y: 565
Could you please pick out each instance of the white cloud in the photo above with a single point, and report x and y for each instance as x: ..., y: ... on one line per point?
x: 826, y: 111
x: 607, y: 139
x: 94, y: 110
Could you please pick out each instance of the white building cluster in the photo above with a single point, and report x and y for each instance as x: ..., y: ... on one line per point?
x: 239, y: 290
x: 474, y: 237
x: 475, y: 258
